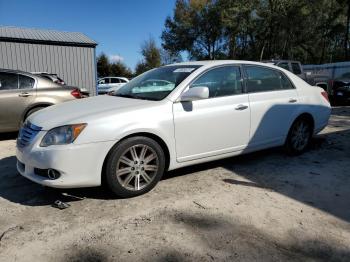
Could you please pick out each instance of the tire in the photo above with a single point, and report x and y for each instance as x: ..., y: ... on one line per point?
x: 299, y: 136
x: 134, y: 166
x: 33, y: 110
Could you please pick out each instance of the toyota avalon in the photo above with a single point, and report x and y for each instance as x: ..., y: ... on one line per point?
x: 170, y: 117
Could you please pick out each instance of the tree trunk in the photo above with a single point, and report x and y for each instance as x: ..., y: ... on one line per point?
x: 346, y: 48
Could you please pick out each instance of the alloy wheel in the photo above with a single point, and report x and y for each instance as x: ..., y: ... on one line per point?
x: 300, y: 135
x: 137, y: 167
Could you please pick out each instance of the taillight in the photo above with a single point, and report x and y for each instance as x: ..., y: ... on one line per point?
x: 325, y: 95
x: 76, y: 93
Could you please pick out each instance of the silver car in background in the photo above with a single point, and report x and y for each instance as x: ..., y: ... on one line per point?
x: 22, y: 94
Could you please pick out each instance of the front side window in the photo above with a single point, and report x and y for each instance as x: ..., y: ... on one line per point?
x: 8, y: 81
x: 296, y: 68
x: 156, y: 84
x: 103, y: 81
x: 221, y: 81
x: 261, y: 79
x: 25, y: 82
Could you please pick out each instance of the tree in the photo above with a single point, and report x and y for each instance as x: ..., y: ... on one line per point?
x: 103, y: 65
x: 312, y: 31
x: 196, y: 27
x: 105, y: 68
x: 151, y: 56
x: 120, y: 69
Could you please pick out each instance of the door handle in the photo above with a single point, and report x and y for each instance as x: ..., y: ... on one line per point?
x: 24, y: 94
x: 241, y: 107
x: 292, y: 100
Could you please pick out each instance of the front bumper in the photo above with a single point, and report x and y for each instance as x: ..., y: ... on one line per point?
x: 79, y: 165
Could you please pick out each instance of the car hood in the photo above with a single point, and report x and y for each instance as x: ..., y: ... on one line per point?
x: 83, y: 110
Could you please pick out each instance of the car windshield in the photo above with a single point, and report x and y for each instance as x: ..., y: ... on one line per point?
x: 156, y: 84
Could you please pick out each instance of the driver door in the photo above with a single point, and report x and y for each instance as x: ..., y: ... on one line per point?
x: 217, y: 125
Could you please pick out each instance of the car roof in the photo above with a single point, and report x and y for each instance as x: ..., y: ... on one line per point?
x: 279, y: 61
x: 222, y: 62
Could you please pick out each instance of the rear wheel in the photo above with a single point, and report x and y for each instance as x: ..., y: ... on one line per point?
x: 299, y: 136
x: 134, y: 166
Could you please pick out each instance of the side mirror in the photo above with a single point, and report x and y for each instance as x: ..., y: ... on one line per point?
x: 195, y: 93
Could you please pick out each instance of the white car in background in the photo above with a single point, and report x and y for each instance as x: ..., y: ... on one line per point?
x: 170, y: 117
x: 109, y: 84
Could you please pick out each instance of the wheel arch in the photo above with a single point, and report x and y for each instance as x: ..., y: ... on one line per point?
x: 150, y: 135
x: 304, y: 115
x: 33, y: 106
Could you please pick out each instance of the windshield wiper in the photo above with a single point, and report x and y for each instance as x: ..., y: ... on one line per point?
x: 136, y: 97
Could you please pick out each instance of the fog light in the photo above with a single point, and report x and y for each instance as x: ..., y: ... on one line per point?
x: 53, y: 174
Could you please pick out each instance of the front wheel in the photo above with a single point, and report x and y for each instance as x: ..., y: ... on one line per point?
x: 299, y: 137
x: 134, y: 166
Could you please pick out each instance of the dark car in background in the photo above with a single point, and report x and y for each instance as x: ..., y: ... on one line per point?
x: 22, y: 94
x: 321, y: 80
x: 341, y: 89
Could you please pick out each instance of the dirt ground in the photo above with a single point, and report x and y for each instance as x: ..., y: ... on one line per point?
x: 264, y: 206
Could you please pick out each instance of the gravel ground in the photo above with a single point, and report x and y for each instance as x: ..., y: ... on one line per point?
x: 264, y: 206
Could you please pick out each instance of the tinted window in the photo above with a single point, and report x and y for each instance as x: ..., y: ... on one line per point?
x: 115, y: 80
x: 25, y: 82
x: 260, y: 79
x: 222, y: 81
x: 296, y: 68
x: 284, y: 65
x: 8, y: 81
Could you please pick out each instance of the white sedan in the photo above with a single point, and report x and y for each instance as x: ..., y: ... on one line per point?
x: 110, y: 84
x: 170, y: 117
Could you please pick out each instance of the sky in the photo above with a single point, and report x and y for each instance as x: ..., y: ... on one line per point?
x: 119, y: 27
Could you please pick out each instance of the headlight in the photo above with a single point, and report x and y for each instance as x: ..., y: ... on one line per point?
x: 62, y: 135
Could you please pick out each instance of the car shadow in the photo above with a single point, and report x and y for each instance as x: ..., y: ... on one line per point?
x: 20, y: 190
x: 305, y: 178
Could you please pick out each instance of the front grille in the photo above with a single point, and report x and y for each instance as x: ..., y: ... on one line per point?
x: 41, y: 172
x: 27, y: 133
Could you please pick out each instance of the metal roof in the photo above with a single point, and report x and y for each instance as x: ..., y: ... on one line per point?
x: 44, y: 36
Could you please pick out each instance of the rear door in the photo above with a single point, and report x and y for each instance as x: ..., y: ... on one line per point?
x: 273, y: 103
x: 17, y: 92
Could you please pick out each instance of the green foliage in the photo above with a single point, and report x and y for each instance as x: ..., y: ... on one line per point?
x: 106, y: 68
x: 312, y: 31
x: 103, y: 66
x: 151, y: 56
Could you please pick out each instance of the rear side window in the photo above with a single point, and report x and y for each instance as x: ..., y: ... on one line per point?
x: 25, y: 82
x: 221, y: 81
x: 8, y: 81
x: 296, y: 68
x: 261, y: 79
x: 115, y: 81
